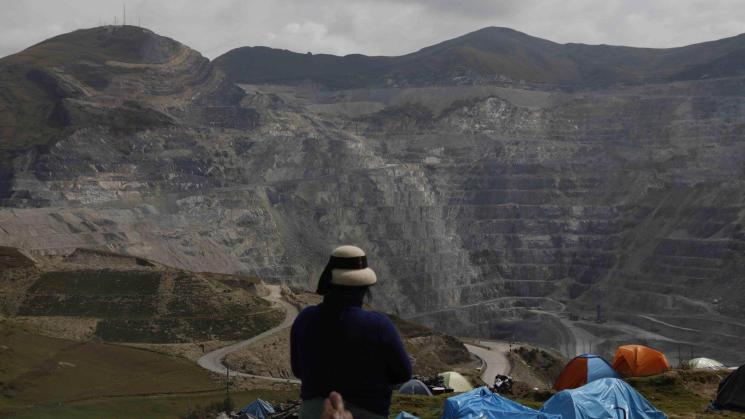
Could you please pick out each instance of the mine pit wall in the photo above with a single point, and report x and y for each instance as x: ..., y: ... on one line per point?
x: 6, y: 181
x: 392, y: 213
x: 659, y: 240
x: 490, y: 321
x: 486, y: 219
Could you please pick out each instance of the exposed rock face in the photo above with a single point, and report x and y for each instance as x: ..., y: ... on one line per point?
x: 124, y: 79
x: 499, y: 210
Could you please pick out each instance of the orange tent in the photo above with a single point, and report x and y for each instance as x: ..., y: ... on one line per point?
x: 639, y: 361
x: 584, y: 369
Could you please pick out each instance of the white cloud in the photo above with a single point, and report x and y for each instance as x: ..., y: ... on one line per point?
x: 375, y: 27
x: 313, y: 29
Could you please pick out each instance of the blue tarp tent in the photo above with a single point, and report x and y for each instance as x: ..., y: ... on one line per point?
x: 259, y: 409
x: 406, y: 415
x: 482, y: 403
x: 604, y: 398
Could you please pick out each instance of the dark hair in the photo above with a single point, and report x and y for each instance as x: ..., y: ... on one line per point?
x: 339, y: 296
x: 348, y: 290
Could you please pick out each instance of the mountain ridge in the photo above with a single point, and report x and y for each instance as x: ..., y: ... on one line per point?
x: 488, y: 55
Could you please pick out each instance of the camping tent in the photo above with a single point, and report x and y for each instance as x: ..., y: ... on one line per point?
x: 482, y: 403
x: 603, y: 398
x: 415, y: 386
x: 639, y: 361
x: 582, y: 370
x: 456, y: 381
x: 731, y: 394
x: 259, y: 409
x: 704, y: 364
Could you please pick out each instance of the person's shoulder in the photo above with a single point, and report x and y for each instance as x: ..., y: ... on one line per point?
x: 307, y: 313
x: 310, y: 309
x: 379, y: 318
x: 385, y: 327
x: 378, y: 315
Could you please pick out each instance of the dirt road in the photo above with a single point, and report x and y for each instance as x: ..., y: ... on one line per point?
x: 494, y: 355
x: 213, y: 360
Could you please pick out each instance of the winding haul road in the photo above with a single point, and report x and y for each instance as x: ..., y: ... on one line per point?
x: 492, y: 353
x: 494, y: 356
x: 213, y: 361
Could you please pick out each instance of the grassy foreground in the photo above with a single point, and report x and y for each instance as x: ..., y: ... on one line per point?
x: 683, y: 393
x: 38, y: 373
x: 150, y: 407
x: 675, y: 393
x: 44, y: 377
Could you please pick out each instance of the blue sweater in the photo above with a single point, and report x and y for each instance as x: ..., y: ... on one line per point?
x: 355, y: 352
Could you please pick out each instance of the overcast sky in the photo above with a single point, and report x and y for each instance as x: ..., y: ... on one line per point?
x: 377, y: 27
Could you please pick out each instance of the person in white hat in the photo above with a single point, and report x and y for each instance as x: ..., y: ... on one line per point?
x: 337, y: 346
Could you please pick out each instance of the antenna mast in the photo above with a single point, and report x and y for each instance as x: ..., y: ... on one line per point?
x: 124, y: 14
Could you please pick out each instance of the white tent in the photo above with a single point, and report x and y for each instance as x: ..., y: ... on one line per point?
x: 415, y: 387
x: 704, y: 364
x: 456, y: 381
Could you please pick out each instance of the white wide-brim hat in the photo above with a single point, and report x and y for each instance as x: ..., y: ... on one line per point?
x: 352, y: 277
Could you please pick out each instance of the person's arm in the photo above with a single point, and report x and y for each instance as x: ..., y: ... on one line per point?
x: 294, y: 350
x: 397, y: 360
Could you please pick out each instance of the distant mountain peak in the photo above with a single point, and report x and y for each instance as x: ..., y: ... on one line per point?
x: 498, y: 31
x: 93, y: 76
x: 130, y: 44
x: 491, y: 55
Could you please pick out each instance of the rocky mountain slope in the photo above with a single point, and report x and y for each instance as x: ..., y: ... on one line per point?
x: 124, y: 78
x: 607, y: 186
